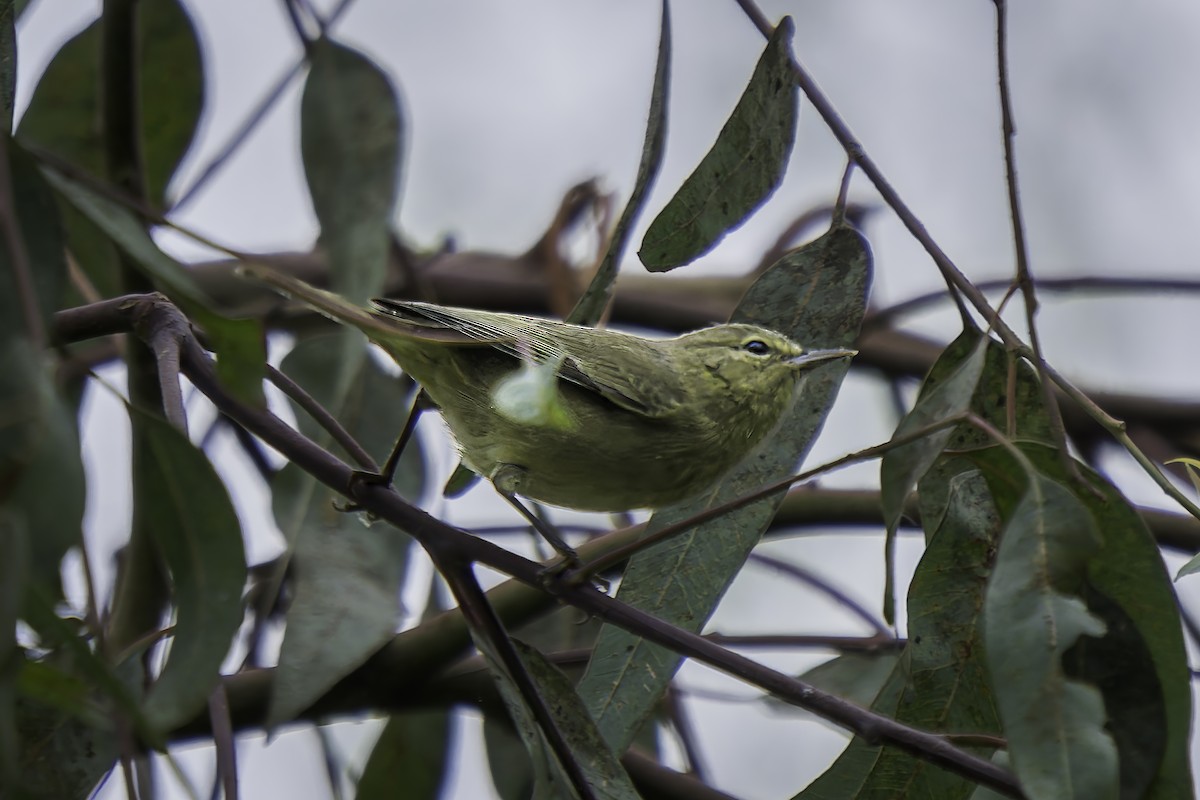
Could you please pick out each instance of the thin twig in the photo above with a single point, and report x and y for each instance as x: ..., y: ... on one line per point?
x: 226, y: 745
x: 1024, y: 278
x: 256, y: 116
x: 620, y: 554
x: 885, y: 317
x: 293, y: 14
x: 487, y: 626
x: 322, y: 417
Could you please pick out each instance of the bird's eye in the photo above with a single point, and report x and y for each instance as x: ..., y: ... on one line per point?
x: 757, y: 347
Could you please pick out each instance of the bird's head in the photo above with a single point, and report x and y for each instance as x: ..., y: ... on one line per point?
x: 749, y: 363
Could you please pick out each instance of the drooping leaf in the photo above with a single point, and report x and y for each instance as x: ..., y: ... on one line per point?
x: 186, y: 507
x: 941, y: 682
x: 743, y: 168
x: 596, y: 760
x: 410, y: 758
x: 64, y: 117
x: 857, y: 677
x: 75, y: 656
x: 1007, y: 396
x: 591, y: 305
x: 902, y: 466
x: 347, y: 576
x: 509, y: 764
x: 408, y: 761
x: 8, y: 62
x: 42, y: 243
x: 173, y: 91
x: 350, y: 140
x: 64, y: 114
x: 238, y: 343
x: 1034, y: 614
x: 128, y: 233
x: 816, y: 294
x: 40, y: 467
x: 61, y: 756
x: 14, y: 565
x: 1140, y: 664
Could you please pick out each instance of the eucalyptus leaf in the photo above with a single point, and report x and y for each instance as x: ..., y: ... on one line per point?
x: 41, y: 241
x: 64, y: 118
x: 1034, y: 614
x: 816, y: 294
x: 40, y: 463
x: 350, y: 141
x: 185, y: 506
x: 941, y: 682
x: 903, y: 465
x: 1140, y: 664
x: 408, y: 761
x: 8, y: 62
x: 348, y: 576
x: 739, y: 173
x: 591, y: 305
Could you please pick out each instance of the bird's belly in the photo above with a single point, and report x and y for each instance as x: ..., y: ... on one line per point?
x: 591, y: 471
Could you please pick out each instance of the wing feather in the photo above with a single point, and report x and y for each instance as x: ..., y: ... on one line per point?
x: 631, y: 372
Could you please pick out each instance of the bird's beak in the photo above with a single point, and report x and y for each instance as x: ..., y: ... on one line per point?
x: 814, y: 357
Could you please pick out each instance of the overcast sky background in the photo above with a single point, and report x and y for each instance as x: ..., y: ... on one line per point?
x: 508, y: 104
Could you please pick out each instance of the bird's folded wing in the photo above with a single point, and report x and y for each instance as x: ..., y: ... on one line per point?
x: 637, y: 378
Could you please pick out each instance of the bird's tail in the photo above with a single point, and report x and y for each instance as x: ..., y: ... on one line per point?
x: 331, y: 305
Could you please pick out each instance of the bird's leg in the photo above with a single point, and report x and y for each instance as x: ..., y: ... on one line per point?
x: 386, y: 475
x: 507, y: 480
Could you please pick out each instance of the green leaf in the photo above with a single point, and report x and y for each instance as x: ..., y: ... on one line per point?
x: 743, y: 168
x: 77, y: 657
x: 816, y: 294
x: 1140, y: 665
x: 42, y: 241
x: 596, y: 759
x: 591, y: 305
x: 902, y: 466
x: 1005, y: 379
x: 172, y: 86
x: 128, y: 233
x: 857, y: 677
x: 239, y: 343
x: 64, y: 112
x: 14, y: 565
x: 41, y: 473
x: 347, y: 576
x: 61, y: 756
x: 350, y: 140
x: 509, y: 763
x: 408, y: 761
x: 184, y: 504
x: 1035, y: 613
x: 8, y: 62
x: 64, y: 118
x: 941, y: 683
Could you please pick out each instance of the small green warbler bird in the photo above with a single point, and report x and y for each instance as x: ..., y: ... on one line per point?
x: 572, y: 416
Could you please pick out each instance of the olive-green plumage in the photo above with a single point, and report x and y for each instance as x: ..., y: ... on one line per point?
x: 632, y: 423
